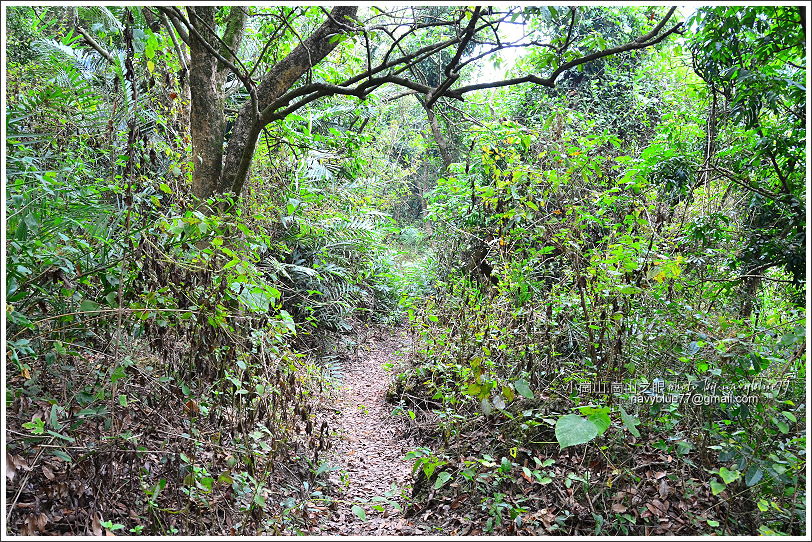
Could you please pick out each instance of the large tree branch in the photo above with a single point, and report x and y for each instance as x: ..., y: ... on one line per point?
x: 315, y: 91
x: 268, y: 112
x: 464, y: 41
x: 549, y: 81
x: 442, y: 145
x: 276, y: 82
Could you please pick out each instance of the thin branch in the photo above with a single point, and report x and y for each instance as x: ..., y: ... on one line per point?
x: 567, y: 41
x: 729, y: 175
x: 178, y: 49
x: 399, y: 95
x: 95, y: 45
x: 269, y: 40
x: 182, y: 31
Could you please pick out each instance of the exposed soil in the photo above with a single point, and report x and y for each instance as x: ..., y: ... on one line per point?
x: 370, y: 443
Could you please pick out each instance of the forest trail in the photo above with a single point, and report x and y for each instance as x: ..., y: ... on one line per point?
x: 369, y: 444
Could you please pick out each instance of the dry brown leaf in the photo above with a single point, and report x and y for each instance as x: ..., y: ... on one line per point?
x: 191, y: 408
x: 664, y: 490
x: 30, y: 526
x: 660, y: 474
x: 11, y: 468
x: 36, y: 523
x: 95, y: 524
x: 619, y: 508
x: 458, y: 501
x: 49, y: 474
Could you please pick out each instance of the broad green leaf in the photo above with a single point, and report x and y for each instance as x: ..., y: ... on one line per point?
x: 598, y: 416
x: 88, y: 306
x: 442, y: 479
x: 782, y: 426
x: 717, y: 486
x: 571, y: 430
x: 729, y: 476
x: 753, y: 476
x: 630, y: 422
x: 523, y: 388
x: 359, y: 512
x: 118, y: 374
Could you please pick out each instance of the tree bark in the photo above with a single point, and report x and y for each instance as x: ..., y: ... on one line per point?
x: 442, y: 145
x: 207, y: 119
x: 207, y: 77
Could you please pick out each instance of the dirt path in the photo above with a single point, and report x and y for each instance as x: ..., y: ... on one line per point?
x: 370, y: 443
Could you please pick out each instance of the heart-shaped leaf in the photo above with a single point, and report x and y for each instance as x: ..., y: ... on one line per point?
x: 571, y: 430
x: 729, y: 476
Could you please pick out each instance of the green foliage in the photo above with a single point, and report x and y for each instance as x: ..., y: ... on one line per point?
x: 755, y: 60
x: 612, y: 258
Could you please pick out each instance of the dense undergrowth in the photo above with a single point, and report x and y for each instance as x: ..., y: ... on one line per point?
x: 167, y: 362
x: 166, y: 366
x: 604, y: 284
x: 601, y: 312
x: 605, y: 299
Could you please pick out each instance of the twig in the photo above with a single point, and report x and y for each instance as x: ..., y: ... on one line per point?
x: 25, y: 481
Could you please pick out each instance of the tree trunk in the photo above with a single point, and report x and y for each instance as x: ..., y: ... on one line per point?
x: 442, y: 145
x: 280, y: 79
x: 207, y: 119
